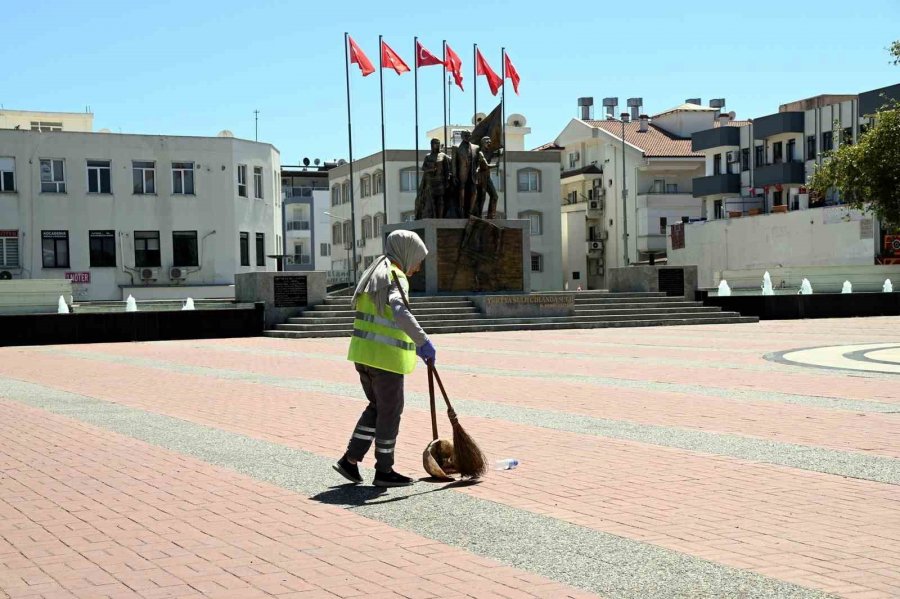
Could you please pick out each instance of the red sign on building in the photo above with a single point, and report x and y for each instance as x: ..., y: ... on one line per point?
x: 678, y: 236
x: 79, y: 277
x: 9, y: 233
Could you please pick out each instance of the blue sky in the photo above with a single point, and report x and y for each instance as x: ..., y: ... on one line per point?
x: 194, y: 68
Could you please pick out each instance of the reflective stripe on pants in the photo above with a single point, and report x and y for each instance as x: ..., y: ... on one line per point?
x: 384, y: 390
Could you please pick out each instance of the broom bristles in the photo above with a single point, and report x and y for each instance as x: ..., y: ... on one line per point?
x: 468, y: 457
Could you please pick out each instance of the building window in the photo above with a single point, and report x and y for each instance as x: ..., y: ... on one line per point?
x: 7, y: 174
x: 745, y: 159
x: 663, y: 223
x: 378, y: 182
x: 103, y: 248
x: 258, y: 182
x: 183, y: 178
x: 324, y: 249
x: 535, y: 219
x: 55, y: 249
x: 573, y: 159
x: 144, y: 177
x: 348, y: 235
x: 335, y: 195
x: 365, y: 187
x: 408, y: 217
x: 184, y: 248
x: 717, y: 164
x: 367, y: 227
x: 98, y: 174
x: 245, y: 248
x: 345, y: 192
x: 260, y: 249
x: 379, y: 224
x: 242, y: 180
x: 847, y: 136
x: 45, y: 126
x: 336, y: 236
x: 9, y: 249
x: 53, y: 176
x: 777, y: 198
x: 791, y: 150
x: 671, y: 187
x: 576, y: 276
x: 408, y: 180
x: 497, y: 179
x: 827, y: 141
x: 759, y: 158
x: 810, y: 147
x: 529, y: 180
x: 146, y: 249
x: 537, y: 262
x: 777, y: 155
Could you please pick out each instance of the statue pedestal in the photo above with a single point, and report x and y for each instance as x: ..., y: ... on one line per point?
x: 489, y: 260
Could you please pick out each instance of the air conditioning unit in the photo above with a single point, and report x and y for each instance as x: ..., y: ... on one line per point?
x: 361, y: 242
x: 149, y: 274
x: 604, y: 235
x: 5, y: 275
x: 176, y: 273
x: 733, y: 156
x: 595, y: 246
x: 594, y: 205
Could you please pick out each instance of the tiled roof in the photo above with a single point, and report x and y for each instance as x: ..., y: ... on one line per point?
x: 733, y: 124
x: 550, y: 145
x: 686, y: 107
x: 655, y: 142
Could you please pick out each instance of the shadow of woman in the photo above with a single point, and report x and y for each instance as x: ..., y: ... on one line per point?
x: 352, y: 496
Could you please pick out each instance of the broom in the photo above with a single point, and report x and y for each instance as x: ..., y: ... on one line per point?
x: 467, y: 456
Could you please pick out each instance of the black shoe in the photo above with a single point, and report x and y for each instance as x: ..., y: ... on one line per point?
x: 348, y: 470
x: 391, y: 479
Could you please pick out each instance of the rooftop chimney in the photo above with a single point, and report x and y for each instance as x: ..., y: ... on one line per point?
x: 586, y: 108
x: 723, y: 120
x: 610, y: 105
x: 694, y: 101
x: 644, y: 122
x: 635, y: 104
x: 718, y: 104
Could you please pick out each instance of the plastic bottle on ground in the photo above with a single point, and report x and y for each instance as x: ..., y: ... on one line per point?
x: 507, y: 464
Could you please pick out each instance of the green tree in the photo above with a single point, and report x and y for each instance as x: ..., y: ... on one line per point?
x: 895, y: 51
x: 867, y: 174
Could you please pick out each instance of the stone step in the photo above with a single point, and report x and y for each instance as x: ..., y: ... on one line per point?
x: 648, y: 307
x: 629, y: 300
x: 480, y: 326
x: 335, y: 313
x: 414, y: 305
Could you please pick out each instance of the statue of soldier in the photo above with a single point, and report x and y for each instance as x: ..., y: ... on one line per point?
x: 484, y: 184
x: 435, y: 183
x: 465, y: 163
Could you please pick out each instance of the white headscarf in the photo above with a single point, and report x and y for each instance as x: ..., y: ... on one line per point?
x: 404, y: 248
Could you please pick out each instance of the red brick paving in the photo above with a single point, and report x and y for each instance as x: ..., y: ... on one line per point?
x: 812, y: 529
x: 89, y: 513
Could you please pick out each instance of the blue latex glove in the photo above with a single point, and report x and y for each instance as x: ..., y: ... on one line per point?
x: 427, y: 352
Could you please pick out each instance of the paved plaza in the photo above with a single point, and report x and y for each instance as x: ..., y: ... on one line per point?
x: 746, y: 460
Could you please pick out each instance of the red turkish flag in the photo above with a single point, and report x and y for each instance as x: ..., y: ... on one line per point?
x: 391, y: 60
x: 454, y: 65
x: 512, y: 74
x: 424, y: 58
x: 483, y: 68
x: 359, y: 57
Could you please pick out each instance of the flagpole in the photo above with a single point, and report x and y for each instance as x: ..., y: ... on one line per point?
x: 474, y: 81
x: 384, y: 177
x: 416, y: 96
x: 503, y: 126
x: 350, y: 147
x: 445, y: 86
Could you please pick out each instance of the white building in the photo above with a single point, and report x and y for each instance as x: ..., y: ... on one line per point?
x: 146, y: 215
x: 531, y: 192
x: 655, y: 165
x: 756, y: 171
x: 307, y: 227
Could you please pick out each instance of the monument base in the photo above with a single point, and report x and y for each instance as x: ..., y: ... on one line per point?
x: 466, y: 256
x: 285, y: 294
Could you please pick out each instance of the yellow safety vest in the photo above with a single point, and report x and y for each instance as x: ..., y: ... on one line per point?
x: 377, y: 340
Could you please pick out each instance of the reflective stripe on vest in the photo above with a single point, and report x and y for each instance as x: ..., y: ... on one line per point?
x: 377, y: 341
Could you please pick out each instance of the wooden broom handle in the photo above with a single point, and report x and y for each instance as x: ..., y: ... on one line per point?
x: 434, y: 431
x: 437, y: 377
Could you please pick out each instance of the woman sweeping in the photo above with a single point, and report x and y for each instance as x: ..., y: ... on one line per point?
x: 386, y: 339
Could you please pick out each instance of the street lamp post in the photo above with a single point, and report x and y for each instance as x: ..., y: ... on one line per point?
x: 623, y: 120
x: 347, y: 247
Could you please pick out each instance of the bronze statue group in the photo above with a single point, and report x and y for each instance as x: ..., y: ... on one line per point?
x: 457, y: 187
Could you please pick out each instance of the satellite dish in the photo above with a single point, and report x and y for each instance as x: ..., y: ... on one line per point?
x: 516, y: 120
x: 479, y: 116
x: 316, y: 161
x: 225, y: 133
x: 342, y: 162
x: 731, y: 115
x: 306, y: 162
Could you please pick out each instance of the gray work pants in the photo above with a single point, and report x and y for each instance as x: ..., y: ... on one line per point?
x: 380, y: 421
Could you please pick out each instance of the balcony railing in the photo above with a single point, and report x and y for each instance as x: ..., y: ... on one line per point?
x: 781, y: 172
x: 297, y: 225
x: 300, y: 192
x: 300, y: 259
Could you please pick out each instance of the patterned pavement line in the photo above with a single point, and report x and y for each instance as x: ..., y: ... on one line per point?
x: 814, y: 401
x: 817, y: 459
x: 598, y: 562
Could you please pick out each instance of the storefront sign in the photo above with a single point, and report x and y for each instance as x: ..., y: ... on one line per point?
x: 79, y: 277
